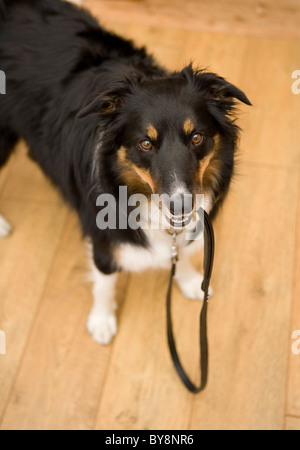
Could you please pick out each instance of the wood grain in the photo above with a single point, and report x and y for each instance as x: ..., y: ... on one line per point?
x: 250, y: 314
x: 292, y: 423
x: 4, y: 172
x: 26, y: 181
x: 293, y: 384
x: 276, y: 19
x: 60, y: 353
x: 25, y: 258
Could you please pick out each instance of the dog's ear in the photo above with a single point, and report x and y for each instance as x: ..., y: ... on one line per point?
x: 218, y: 89
x: 110, y: 101
x: 213, y: 87
x: 106, y: 104
x: 220, y: 96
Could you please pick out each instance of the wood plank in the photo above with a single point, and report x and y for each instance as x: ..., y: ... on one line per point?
x: 25, y: 258
x: 292, y: 423
x: 27, y: 182
x: 148, y: 35
x: 268, y: 75
x: 250, y: 313
x: 5, y: 171
x: 293, y: 385
x: 276, y: 19
x: 63, y: 370
x: 164, y: 44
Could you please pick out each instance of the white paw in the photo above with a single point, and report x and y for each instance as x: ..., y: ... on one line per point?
x: 5, y: 227
x: 103, y: 327
x: 191, y: 286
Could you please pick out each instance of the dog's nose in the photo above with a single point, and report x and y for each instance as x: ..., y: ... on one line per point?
x: 181, y: 204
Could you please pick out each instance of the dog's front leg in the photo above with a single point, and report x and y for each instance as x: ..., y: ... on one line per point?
x: 189, y: 280
x: 5, y: 227
x: 102, y: 322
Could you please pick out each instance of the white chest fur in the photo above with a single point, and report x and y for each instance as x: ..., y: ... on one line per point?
x: 158, y: 255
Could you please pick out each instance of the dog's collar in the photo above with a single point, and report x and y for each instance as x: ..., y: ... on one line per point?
x: 174, y: 232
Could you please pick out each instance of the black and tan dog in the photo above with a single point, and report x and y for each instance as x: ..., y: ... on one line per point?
x: 98, y: 113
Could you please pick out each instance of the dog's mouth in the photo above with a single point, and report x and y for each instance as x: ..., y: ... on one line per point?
x: 180, y: 221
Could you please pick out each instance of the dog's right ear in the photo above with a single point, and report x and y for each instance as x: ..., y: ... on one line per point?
x: 103, y: 105
x: 109, y: 103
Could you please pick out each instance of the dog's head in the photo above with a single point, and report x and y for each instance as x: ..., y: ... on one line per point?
x: 172, y: 135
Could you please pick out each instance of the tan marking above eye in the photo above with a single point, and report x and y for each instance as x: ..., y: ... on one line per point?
x: 122, y: 155
x: 188, y: 126
x: 152, y: 132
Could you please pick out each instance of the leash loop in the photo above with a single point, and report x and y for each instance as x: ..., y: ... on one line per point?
x: 209, y: 245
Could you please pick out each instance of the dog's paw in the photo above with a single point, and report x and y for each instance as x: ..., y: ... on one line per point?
x: 191, y: 287
x: 5, y: 227
x: 102, y: 327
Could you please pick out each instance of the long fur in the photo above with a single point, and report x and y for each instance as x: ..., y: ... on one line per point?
x: 75, y: 93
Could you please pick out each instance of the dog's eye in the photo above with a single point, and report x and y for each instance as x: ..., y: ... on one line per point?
x: 146, y: 145
x: 197, y: 139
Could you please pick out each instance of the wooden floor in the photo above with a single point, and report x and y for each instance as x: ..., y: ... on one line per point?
x: 53, y: 375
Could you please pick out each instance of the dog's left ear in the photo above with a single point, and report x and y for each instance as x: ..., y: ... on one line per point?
x: 220, y: 96
x: 213, y: 87
x: 218, y: 89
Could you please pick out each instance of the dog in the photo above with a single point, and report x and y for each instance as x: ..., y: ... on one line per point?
x: 97, y: 114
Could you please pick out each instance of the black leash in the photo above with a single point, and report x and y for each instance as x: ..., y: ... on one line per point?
x: 209, y: 246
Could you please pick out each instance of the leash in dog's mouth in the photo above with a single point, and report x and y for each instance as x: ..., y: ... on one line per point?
x: 180, y: 221
x: 209, y: 245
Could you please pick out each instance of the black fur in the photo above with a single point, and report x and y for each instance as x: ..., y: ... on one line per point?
x: 71, y: 84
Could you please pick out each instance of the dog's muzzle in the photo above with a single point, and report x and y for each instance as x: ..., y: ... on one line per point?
x: 181, y: 210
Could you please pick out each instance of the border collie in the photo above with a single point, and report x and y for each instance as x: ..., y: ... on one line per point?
x: 97, y: 114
